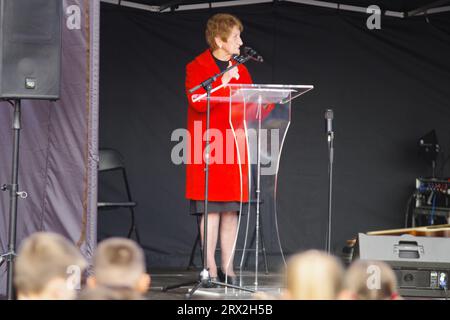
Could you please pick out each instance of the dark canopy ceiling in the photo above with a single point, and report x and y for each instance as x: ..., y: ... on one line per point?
x: 393, y: 5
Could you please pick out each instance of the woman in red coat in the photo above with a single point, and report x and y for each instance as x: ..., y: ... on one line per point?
x: 225, y: 190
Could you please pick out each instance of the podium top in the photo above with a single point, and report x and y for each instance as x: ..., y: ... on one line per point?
x: 267, y: 93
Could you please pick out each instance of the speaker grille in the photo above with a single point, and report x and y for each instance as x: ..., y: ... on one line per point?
x: 30, y: 49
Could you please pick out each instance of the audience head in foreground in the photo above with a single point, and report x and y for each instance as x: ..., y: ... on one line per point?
x: 105, y: 293
x: 369, y: 280
x: 313, y: 275
x: 46, y: 267
x: 119, y: 264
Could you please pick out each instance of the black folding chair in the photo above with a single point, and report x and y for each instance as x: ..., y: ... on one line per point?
x: 112, y: 160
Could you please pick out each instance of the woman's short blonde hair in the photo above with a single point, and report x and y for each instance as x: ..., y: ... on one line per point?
x: 220, y: 25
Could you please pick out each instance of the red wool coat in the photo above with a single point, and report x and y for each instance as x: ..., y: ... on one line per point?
x: 224, y: 179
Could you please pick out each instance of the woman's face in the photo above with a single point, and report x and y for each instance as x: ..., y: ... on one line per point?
x: 233, y: 43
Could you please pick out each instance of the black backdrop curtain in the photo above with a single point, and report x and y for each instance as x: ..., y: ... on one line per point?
x: 387, y: 87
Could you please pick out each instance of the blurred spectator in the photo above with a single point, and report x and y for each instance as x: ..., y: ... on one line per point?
x: 104, y: 293
x: 48, y: 266
x: 369, y: 280
x: 313, y: 275
x: 119, y: 264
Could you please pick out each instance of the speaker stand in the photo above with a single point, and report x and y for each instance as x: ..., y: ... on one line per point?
x: 13, y: 188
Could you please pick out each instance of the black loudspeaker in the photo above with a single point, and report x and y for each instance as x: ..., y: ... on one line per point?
x: 421, y: 264
x: 30, y: 49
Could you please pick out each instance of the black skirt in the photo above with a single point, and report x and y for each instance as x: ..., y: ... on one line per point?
x: 197, y: 207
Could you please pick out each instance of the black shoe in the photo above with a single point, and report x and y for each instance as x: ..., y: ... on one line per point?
x: 220, y: 275
x: 233, y: 280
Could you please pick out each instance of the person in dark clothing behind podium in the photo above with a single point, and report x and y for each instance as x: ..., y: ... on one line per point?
x: 225, y: 190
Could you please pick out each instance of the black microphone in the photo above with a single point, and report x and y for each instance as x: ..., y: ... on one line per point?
x: 239, y: 59
x: 329, y: 120
x: 253, y: 54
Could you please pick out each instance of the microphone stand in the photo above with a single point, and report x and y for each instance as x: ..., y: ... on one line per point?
x: 205, y: 278
x: 330, y: 140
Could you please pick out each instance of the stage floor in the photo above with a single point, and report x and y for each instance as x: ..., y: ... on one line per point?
x: 269, y: 285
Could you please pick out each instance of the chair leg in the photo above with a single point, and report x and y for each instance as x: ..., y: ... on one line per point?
x: 194, y: 248
x: 133, y: 228
x: 133, y: 223
x: 138, y: 238
x: 136, y: 233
